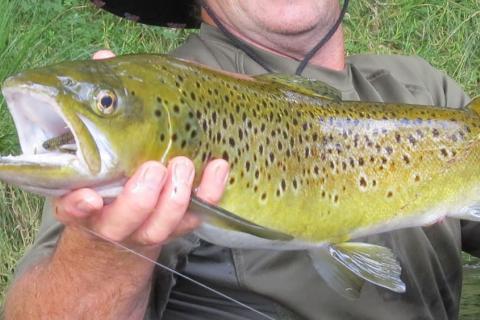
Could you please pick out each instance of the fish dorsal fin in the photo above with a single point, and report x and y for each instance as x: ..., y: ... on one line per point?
x: 229, y: 220
x: 474, y: 105
x: 303, y: 85
x: 372, y: 263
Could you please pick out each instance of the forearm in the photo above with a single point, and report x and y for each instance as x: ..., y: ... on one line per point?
x: 85, y: 278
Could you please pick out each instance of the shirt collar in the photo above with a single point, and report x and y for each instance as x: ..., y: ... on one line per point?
x: 342, y: 80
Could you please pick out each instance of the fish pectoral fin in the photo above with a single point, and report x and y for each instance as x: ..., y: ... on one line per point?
x: 229, y: 220
x: 372, y: 263
x: 303, y: 85
x: 338, y: 277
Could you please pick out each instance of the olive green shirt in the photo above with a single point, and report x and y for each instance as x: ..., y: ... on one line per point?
x: 284, y: 284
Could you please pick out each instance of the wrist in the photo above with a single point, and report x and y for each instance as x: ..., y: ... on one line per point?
x: 81, y: 250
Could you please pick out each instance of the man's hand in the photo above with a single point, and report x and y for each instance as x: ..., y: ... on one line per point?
x: 152, y: 207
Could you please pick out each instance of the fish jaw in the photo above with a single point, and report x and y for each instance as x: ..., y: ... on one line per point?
x: 39, y: 115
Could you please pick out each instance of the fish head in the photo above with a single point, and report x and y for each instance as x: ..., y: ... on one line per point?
x: 85, y: 124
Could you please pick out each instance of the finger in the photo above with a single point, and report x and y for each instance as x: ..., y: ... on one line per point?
x: 213, y: 181
x: 77, y: 206
x: 172, y: 204
x: 103, y: 54
x: 136, y: 202
x: 189, y: 223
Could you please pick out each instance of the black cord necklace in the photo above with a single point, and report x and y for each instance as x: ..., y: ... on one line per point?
x: 254, y: 56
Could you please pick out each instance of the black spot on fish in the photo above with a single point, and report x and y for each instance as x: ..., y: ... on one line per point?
x: 412, y: 139
x: 389, y: 150
x: 158, y: 113
x: 406, y: 159
x: 162, y: 137
x: 389, y: 194
x: 295, y: 183
x: 397, y: 137
x: 444, y: 152
x: 272, y: 157
x: 363, y: 182
x: 247, y: 165
x: 225, y: 155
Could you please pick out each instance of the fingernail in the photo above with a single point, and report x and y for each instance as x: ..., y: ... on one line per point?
x: 182, y: 174
x: 150, y: 178
x: 221, y: 175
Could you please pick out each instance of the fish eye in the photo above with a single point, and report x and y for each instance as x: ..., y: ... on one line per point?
x: 106, y: 101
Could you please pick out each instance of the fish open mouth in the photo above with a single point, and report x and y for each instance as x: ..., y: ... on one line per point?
x: 47, y: 133
x: 46, y: 136
x: 59, y: 152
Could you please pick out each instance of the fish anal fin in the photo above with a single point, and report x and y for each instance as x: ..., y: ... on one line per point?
x: 373, y: 263
x: 303, y: 85
x: 338, y: 277
x: 229, y: 220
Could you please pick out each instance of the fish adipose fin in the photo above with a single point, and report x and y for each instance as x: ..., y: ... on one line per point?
x: 303, y: 85
x: 225, y: 218
x: 359, y: 262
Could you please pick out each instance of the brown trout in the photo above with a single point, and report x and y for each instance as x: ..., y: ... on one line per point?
x: 308, y: 170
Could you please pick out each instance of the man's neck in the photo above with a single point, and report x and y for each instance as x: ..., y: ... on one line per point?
x: 330, y: 56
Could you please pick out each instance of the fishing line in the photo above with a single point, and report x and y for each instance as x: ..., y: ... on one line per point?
x: 175, y: 272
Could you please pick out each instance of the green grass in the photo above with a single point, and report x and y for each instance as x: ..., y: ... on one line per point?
x: 445, y: 33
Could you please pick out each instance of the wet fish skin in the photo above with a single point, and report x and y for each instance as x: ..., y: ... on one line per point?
x: 302, y: 162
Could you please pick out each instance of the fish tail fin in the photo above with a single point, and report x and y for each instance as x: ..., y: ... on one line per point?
x: 346, y: 266
x: 474, y: 105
